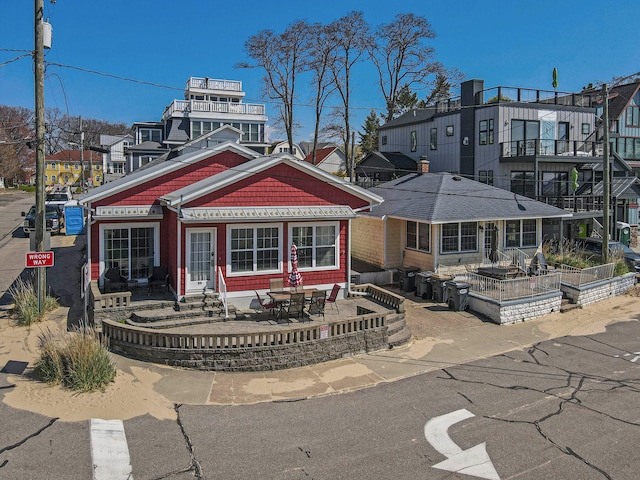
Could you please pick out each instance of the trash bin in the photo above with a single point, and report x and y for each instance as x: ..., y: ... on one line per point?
x: 407, y: 278
x: 438, y: 283
x: 624, y: 232
x: 423, y: 285
x: 458, y: 295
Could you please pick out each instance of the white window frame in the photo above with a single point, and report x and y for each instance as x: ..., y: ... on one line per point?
x: 112, y: 226
x: 254, y: 271
x: 459, y: 238
x: 520, y: 233
x: 315, y: 268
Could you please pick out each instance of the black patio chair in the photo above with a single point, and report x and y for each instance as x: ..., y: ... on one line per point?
x: 159, y: 278
x: 114, y: 281
x: 296, y: 306
x: 316, y: 306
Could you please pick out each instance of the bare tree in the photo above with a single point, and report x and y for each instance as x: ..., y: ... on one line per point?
x: 402, y: 58
x: 16, y: 135
x: 321, y: 50
x: 351, y: 37
x: 282, y: 57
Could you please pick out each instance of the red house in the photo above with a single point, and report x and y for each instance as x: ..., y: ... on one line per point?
x: 225, y: 214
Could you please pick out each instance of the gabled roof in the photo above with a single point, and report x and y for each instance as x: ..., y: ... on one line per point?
x: 321, y: 155
x: 158, y: 169
x: 73, y: 156
x: 619, y: 98
x: 224, y: 179
x: 214, y: 133
x: 417, y: 115
x: 388, y: 161
x: 445, y: 198
x: 110, y: 140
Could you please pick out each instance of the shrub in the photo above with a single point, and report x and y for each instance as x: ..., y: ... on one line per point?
x: 76, y: 360
x: 25, y: 299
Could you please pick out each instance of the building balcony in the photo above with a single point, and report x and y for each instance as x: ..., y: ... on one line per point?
x: 561, y: 150
x: 574, y: 203
x: 214, y: 85
x: 184, y: 107
x: 527, y: 95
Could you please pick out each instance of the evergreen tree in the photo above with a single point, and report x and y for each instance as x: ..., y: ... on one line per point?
x: 369, y: 139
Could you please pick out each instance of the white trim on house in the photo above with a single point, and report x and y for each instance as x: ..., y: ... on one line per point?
x: 229, y: 214
x: 128, y: 211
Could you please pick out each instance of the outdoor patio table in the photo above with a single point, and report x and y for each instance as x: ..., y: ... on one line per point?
x: 281, y: 297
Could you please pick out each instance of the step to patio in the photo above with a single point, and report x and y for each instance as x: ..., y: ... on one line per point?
x: 199, y: 302
x: 567, y: 306
x: 164, y: 314
x: 400, y: 338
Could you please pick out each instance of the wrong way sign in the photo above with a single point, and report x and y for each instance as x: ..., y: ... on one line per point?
x: 39, y: 259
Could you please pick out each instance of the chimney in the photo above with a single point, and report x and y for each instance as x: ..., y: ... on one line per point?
x: 423, y: 165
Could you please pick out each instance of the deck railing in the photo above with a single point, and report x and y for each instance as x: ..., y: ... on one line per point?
x: 583, y: 276
x: 513, y: 289
x: 541, y: 147
x: 214, y: 84
x: 222, y: 290
x: 201, y: 106
x: 114, y: 331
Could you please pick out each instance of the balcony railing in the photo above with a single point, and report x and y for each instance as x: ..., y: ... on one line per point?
x: 559, y: 148
x: 574, y: 203
x: 527, y: 95
x: 190, y: 106
x: 214, y: 84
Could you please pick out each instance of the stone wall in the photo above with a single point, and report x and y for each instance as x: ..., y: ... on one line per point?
x: 272, y: 357
x: 594, y: 292
x: 514, y: 311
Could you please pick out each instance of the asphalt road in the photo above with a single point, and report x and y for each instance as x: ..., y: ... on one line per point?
x: 563, y: 409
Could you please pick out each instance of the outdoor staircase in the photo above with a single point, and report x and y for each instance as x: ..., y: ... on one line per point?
x: 397, y: 330
x: 192, y: 310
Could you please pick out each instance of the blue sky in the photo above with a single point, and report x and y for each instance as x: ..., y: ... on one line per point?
x: 509, y: 43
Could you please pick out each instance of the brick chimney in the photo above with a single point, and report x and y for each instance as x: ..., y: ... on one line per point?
x: 423, y: 165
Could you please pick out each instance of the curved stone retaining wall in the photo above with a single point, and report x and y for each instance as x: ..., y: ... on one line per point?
x: 265, y: 350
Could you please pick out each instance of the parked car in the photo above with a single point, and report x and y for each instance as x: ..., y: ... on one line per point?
x: 616, y: 249
x: 54, y: 220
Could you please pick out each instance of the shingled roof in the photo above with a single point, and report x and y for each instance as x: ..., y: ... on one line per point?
x: 445, y: 198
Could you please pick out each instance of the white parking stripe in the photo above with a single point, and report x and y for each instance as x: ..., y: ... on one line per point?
x: 109, y: 450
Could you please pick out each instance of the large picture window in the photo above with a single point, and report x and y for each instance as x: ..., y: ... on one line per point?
x: 433, y: 139
x: 418, y: 236
x: 317, y: 245
x: 522, y: 233
x: 131, y: 248
x: 254, y: 249
x: 459, y: 237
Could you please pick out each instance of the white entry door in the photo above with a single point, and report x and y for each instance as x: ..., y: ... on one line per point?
x: 201, y: 259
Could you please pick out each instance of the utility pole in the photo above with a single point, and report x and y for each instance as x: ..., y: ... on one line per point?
x: 606, y: 175
x: 81, y: 155
x: 353, y: 147
x: 38, y: 60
